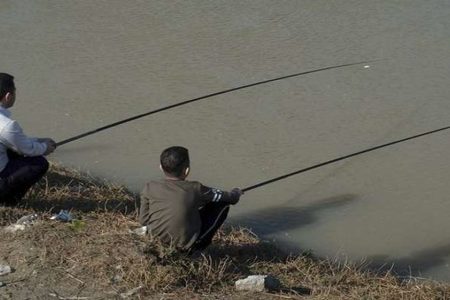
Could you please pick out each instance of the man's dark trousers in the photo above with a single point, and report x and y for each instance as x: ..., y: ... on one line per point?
x: 212, y: 215
x: 19, y: 175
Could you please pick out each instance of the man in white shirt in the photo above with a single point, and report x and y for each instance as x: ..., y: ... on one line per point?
x: 22, y: 161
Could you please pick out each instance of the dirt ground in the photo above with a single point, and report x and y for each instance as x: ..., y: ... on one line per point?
x: 95, y: 256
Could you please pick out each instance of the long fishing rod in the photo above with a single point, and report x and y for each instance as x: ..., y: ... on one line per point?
x: 340, y: 158
x: 200, y: 98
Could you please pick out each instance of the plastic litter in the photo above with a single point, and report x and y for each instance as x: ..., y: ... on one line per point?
x: 22, y: 223
x: 27, y: 220
x: 63, y: 215
x: 14, y: 227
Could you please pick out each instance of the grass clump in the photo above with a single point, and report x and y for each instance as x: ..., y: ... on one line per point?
x: 97, y: 257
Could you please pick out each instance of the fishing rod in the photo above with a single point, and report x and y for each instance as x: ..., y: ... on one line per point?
x: 340, y: 158
x: 202, y: 97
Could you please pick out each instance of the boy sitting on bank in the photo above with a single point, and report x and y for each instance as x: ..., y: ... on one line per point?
x: 185, y: 214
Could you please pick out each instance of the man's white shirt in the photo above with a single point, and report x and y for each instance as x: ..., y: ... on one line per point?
x: 12, y: 137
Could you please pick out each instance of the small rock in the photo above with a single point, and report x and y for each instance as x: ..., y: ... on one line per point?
x: 2, y: 284
x: 258, y: 283
x: 5, y: 270
x: 117, y: 278
x: 140, y: 231
x: 14, y: 227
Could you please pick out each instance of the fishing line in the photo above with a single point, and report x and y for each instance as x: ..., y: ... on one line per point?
x: 200, y: 98
x: 340, y: 158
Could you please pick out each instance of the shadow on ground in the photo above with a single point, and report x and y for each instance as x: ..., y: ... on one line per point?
x: 60, y: 189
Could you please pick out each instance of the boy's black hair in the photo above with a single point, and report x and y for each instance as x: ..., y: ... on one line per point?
x: 174, y: 160
x: 6, y: 84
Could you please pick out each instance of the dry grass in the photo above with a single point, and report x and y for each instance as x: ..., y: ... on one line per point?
x: 98, y: 258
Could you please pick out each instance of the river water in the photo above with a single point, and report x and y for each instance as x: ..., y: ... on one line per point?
x: 80, y: 65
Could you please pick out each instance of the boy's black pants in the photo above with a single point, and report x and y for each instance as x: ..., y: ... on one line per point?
x: 212, y: 215
x: 19, y: 175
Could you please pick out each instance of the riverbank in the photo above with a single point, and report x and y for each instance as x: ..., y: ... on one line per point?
x: 96, y: 257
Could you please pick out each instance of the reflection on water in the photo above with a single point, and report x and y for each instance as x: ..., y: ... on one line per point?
x: 277, y: 219
x: 417, y: 264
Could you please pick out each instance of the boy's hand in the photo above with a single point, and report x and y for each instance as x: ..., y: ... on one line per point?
x: 236, y: 193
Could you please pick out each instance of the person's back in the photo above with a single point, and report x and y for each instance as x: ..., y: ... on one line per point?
x: 171, y: 210
x: 183, y: 213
